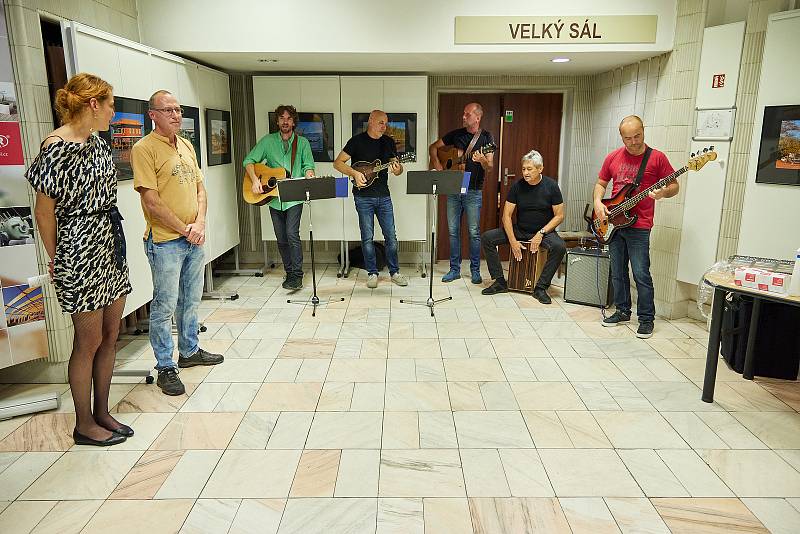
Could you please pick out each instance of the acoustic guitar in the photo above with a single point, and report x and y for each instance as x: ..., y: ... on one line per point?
x: 452, y: 158
x: 370, y: 170
x: 269, y: 178
x: 620, y: 205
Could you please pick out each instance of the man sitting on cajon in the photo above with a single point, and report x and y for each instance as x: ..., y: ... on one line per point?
x: 540, y: 210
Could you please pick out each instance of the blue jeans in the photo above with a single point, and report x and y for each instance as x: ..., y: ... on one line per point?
x: 471, y: 205
x: 632, y: 244
x: 287, y: 231
x: 381, y: 207
x: 177, y: 268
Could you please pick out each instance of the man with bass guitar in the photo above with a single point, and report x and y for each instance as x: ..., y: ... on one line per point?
x: 469, y: 142
x: 284, y: 149
x: 367, y: 152
x: 638, y: 164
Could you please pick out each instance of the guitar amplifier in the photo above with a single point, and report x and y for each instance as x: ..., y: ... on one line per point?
x: 588, y: 277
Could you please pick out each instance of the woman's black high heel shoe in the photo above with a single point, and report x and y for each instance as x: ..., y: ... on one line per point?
x: 80, y: 439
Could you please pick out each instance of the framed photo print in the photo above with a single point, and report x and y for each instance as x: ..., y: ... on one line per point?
x: 218, y: 136
x: 402, y: 128
x: 779, y: 153
x: 129, y: 124
x: 190, y: 129
x: 317, y: 128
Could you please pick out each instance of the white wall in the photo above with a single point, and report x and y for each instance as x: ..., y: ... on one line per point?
x: 137, y: 72
x: 358, y: 26
x: 336, y: 219
x: 771, y: 213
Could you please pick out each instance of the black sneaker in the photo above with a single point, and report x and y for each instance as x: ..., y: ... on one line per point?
x: 645, y: 330
x: 169, y: 382
x: 541, y: 295
x: 616, y: 319
x: 293, y: 282
x: 201, y: 357
x: 497, y: 286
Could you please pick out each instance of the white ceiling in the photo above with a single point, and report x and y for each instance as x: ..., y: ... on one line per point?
x: 476, y: 63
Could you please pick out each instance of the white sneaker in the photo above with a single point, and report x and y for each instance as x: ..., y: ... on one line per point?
x: 372, y: 281
x: 399, y: 279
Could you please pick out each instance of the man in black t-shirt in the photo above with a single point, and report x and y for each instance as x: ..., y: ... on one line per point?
x: 540, y: 209
x: 477, y: 164
x: 374, y: 200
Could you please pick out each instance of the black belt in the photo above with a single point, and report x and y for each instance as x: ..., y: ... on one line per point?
x: 120, y: 249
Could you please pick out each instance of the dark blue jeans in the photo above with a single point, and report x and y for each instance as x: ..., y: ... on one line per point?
x: 471, y: 205
x: 632, y: 245
x: 287, y: 231
x: 381, y: 207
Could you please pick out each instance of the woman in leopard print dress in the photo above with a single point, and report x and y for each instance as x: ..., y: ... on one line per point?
x: 76, y: 195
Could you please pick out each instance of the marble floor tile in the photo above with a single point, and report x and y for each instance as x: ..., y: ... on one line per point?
x: 368, y: 397
x: 778, y: 430
x: 694, y: 431
x: 684, y: 516
x: 67, y: 517
x: 636, y: 516
x: 583, y: 430
x: 731, y: 431
x: 675, y: 396
x: 754, y: 473
x: 241, y: 315
x: 149, y: 398
x: 588, y: 473
x: 400, y: 516
x: 210, y: 515
x: 422, y: 396
x: 436, y: 431
x: 495, y: 429
x: 523, y: 515
x: 148, y: 474
x: 777, y: 515
x: 414, y: 348
x: 483, y: 473
x: 349, y: 430
x: 287, y: 397
x: 291, y: 430
x: 498, y: 396
x: 323, y: 516
x: 400, y: 430
x: 198, y: 431
x: 651, y: 473
x: 308, y: 348
x: 517, y: 369
x: 316, y: 474
x: 589, y: 369
x: 525, y: 473
x: 477, y: 370
x: 189, y: 476
x: 451, y: 515
x: 639, y: 430
x: 588, y: 515
x: 546, y: 396
x: 241, y: 370
x: 47, y: 432
x: 21, y: 517
x: 258, y: 516
x: 151, y: 516
x: 694, y: 474
x: 254, y: 430
x: 358, y: 474
x: 421, y: 473
x: 205, y: 397
x: 357, y: 370
x: 82, y: 475
x: 20, y: 473
x: 547, y: 370
x: 233, y: 476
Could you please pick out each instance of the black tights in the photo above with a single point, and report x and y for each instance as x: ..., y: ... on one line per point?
x: 92, y: 363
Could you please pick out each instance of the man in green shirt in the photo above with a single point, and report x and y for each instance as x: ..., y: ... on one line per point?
x: 275, y: 150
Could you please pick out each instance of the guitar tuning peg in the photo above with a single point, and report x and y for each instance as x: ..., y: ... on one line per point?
x: 692, y: 155
x: 705, y: 150
x: 712, y: 147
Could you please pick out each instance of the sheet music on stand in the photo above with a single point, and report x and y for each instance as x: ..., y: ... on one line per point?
x: 768, y: 264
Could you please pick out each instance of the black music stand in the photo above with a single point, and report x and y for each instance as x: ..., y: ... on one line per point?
x: 306, y: 190
x: 433, y: 183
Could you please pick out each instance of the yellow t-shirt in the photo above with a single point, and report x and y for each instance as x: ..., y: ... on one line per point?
x: 173, y: 173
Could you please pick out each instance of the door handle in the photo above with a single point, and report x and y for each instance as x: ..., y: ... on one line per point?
x: 506, y: 176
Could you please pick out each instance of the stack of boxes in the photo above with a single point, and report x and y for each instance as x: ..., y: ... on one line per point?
x: 762, y: 280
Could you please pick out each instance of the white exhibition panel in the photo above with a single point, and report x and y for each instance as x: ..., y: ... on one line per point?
x: 392, y: 94
x: 312, y: 94
x: 137, y: 71
x: 705, y: 190
x: 722, y: 54
x: 771, y: 213
x: 702, y: 213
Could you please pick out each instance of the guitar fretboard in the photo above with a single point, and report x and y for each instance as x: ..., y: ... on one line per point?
x: 631, y: 202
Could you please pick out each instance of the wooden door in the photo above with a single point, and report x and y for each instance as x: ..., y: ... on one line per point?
x: 451, y: 109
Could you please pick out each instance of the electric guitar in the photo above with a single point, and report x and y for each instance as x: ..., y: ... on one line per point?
x: 452, y: 158
x: 620, y: 205
x: 370, y: 170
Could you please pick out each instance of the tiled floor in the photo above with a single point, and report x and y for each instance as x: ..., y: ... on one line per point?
x: 499, y: 415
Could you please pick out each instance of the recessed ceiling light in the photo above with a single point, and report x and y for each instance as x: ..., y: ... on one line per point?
x: 560, y: 60
x: 267, y: 60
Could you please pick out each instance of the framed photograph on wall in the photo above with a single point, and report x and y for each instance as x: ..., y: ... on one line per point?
x: 218, y: 136
x: 130, y: 123
x: 317, y: 128
x: 402, y: 128
x: 190, y: 129
x: 779, y: 153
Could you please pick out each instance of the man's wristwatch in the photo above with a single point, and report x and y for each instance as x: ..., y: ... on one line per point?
x: 542, y: 231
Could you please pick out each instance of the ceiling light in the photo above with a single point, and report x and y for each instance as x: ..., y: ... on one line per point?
x: 560, y: 60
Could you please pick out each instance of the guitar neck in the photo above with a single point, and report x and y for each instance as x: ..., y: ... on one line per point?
x: 638, y: 197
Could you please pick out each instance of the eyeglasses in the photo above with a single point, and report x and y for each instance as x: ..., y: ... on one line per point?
x: 169, y: 111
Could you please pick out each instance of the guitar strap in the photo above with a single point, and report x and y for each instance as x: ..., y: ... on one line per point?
x: 294, y: 153
x: 471, y: 145
x: 640, y: 174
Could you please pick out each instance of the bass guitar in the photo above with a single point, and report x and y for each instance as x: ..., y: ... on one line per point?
x: 452, y: 158
x: 620, y: 205
x: 370, y: 170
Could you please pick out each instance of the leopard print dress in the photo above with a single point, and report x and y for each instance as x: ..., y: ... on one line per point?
x: 89, y: 268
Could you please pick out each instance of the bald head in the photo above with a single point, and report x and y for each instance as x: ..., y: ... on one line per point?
x: 376, y: 124
x: 631, y: 130
x: 472, y: 116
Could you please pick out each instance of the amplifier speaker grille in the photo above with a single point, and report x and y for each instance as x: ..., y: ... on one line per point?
x: 588, y: 277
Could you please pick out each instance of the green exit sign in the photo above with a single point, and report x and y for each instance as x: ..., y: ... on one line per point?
x: 509, y: 116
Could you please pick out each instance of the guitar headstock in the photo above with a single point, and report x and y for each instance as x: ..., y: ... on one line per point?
x: 407, y: 156
x: 487, y: 149
x: 701, y: 157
